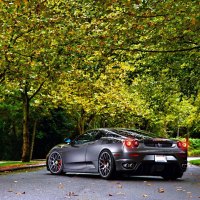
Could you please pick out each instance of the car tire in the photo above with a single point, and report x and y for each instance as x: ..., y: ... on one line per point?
x: 55, y: 163
x: 106, y: 164
x: 172, y: 175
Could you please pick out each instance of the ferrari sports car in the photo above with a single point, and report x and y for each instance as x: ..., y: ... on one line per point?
x: 110, y: 152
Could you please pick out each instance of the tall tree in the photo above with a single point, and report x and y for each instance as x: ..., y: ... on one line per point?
x: 41, y: 40
x: 29, y: 56
x: 88, y: 95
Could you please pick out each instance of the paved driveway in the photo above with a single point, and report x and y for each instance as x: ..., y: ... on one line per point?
x: 40, y: 184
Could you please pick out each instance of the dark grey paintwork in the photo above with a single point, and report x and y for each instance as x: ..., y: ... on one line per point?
x: 82, y: 155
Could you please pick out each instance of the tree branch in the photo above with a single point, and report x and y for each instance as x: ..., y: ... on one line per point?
x: 14, y: 39
x: 2, y: 76
x: 39, y: 88
x: 158, y: 51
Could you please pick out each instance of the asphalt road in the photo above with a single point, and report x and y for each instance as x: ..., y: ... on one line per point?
x: 40, y: 184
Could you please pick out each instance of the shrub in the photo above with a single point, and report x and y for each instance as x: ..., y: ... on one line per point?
x: 194, y: 147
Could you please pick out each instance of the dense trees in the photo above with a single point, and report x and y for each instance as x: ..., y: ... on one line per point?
x: 103, y: 63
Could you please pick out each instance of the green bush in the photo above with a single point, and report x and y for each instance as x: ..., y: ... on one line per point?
x: 194, y: 152
x: 194, y: 147
x: 194, y: 143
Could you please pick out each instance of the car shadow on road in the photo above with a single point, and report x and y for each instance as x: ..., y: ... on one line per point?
x: 118, y: 178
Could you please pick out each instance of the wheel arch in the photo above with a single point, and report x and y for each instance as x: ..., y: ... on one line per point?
x: 106, y: 149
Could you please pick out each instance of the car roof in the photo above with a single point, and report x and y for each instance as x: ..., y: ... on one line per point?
x: 125, y: 132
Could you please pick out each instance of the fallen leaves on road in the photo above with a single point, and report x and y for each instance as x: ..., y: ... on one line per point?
x: 180, y: 189
x: 148, y: 184
x: 71, y: 194
x: 161, y: 190
x: 189, y: 194
x: 119, y: 185
x: 20, y: 193
x: 17, y: 193
x: 120, y: 193
x: 61, y: 186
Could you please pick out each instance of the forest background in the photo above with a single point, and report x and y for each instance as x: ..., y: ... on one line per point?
x: 68, y: 66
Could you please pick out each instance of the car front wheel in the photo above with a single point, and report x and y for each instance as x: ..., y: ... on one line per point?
x: 55, y: 163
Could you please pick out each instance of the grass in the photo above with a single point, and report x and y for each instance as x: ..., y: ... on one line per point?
x: 18, y: 163
x: 195, y: 162
x: 13, y: 165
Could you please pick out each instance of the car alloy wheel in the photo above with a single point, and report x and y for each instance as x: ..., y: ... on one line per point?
x: 55, y: 163
x: 106, y: 164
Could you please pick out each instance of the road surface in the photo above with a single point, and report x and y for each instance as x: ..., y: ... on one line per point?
x: 41, y: 185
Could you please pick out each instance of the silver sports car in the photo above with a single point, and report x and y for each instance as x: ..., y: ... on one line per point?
x: 110, y: 152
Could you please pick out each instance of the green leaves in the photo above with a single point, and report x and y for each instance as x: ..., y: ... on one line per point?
x: 128, y: 61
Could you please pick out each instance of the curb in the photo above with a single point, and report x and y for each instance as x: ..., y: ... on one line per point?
x: 21, y: 168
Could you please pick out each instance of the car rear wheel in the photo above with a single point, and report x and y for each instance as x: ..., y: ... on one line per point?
x: 106, y: 164
x: 55, y: 163
x: 172, y: 173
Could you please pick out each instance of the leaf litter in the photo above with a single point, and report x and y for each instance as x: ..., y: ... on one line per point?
x: 161, y: 190
x: 17, y: 193
x: 71, y: 194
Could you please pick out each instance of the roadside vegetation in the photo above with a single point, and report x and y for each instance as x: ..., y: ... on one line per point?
x: 195, y: 162
x: 6, y: 166
x: 19, y: 163
x: 194, y: 147
x: 14, y: 163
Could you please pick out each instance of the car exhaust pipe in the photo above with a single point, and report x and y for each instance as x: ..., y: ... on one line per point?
x: 129, y: 165
x: 184, y: 166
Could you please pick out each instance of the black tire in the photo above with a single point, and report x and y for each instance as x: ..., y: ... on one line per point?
x: 55, y: 163
x: 172, y: 174
x: 106, y: 165
x: 169, y: 177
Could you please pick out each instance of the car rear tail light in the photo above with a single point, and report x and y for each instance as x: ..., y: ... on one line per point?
x: 131, y: 143
x: 182, y: 144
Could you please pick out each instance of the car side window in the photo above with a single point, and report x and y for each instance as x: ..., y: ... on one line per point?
x: 98, y: 135
x: 86, y: 137
x: 89, y: 137
x: 81, y: 139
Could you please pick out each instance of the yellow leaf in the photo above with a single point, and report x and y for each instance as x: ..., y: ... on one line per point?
x: 161, y: 190
x: 193, y: 21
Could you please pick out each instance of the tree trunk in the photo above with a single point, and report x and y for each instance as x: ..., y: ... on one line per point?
x: 81, y: 123
x: 33, y: 139
x: 26, y: 144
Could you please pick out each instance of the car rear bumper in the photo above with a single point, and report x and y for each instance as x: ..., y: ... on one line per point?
x: 149, y: 165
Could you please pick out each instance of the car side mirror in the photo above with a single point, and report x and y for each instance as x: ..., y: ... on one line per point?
x: 67, y: 140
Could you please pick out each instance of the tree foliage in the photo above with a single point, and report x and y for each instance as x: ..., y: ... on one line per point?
x: 106, y: 63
